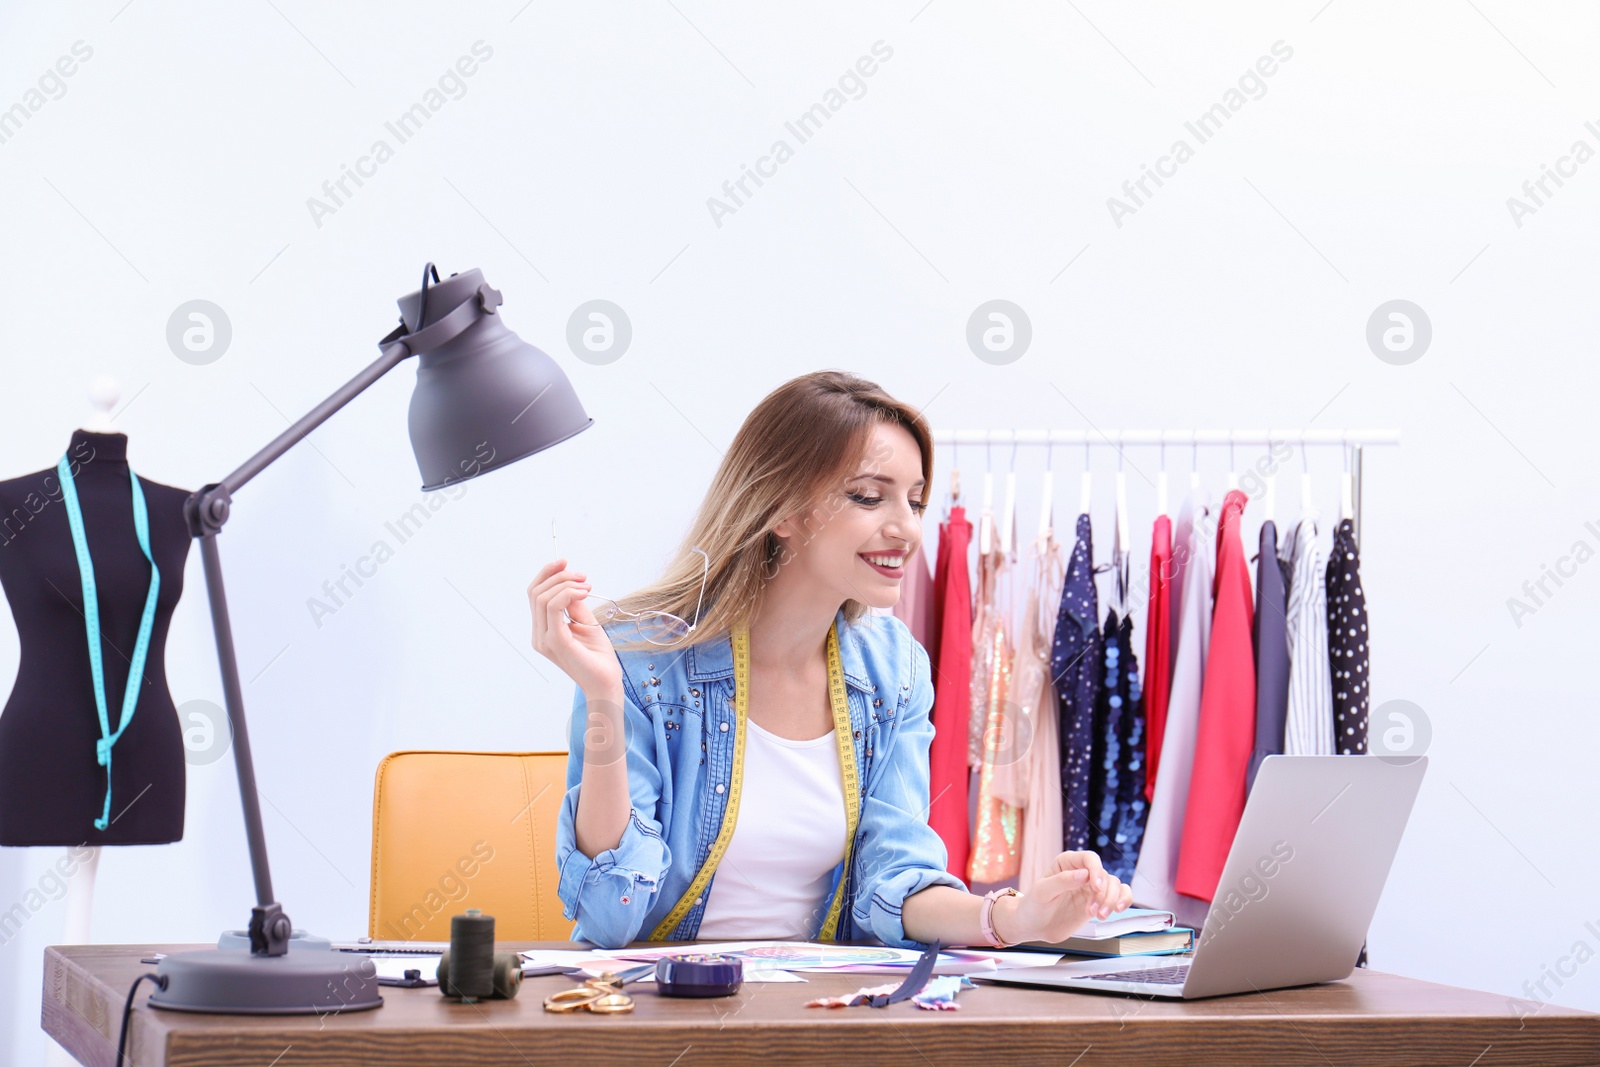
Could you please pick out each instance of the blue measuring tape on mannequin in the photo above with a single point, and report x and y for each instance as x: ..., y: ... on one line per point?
x: 91, y: 622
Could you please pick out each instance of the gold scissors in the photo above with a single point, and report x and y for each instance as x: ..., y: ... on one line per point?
x: 602, y: 994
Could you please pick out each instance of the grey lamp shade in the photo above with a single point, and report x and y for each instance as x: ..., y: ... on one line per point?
x: 485, y: 397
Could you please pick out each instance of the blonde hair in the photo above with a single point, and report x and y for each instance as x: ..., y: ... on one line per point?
x: 798, y: 447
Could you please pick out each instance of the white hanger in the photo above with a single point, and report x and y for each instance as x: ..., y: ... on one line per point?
x: 1347, y: 508
x: 1194, y: 463
x: 1272, y: 482
x: 953, y: 497
x: 1083, y: 500
x: 1119, y: 537
x: 104, y: 392
x: 1161, y: 478
x: 1307, y: 505
x: 1233, y: 471
x: 1008, y: 510
x: 1046, y: 503
x: 1119, y: 558
x: 986, y: 519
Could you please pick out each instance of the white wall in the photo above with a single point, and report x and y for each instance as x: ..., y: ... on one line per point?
x: 976, y: 165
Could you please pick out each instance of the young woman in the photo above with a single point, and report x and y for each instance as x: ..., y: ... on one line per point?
x: 749, y: 746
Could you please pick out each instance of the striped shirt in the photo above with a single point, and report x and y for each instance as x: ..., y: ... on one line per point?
x: 1308, y: 729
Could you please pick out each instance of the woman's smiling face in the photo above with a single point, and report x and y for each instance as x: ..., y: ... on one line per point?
x: 874, y: 515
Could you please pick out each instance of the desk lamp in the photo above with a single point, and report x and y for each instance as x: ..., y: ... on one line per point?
x: 484, y: 399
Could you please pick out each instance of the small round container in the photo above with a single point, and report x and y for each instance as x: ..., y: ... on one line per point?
x: 699, y: 974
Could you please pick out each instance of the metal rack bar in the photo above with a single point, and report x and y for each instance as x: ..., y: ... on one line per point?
x: 1118, y: 438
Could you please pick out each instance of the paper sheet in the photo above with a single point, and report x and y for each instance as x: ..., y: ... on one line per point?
x: 395, y: 967
x: 773, y: 976
x: 595, y: 962
x: 567, y: 957
x: 1004, y: 960
x: 808, y: 956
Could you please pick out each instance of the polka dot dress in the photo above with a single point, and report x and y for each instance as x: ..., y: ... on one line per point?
x: 1076, y: 663
x: 1347, y: 643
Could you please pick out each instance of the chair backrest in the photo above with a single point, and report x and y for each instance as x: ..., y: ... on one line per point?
x: 459, y: 830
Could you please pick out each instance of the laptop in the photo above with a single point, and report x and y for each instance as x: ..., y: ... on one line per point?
x: 1302, y: 881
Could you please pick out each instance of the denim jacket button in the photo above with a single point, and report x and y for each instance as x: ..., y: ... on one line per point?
x: 723, y: 727
x: 699, y: 901
x: 719, y: 787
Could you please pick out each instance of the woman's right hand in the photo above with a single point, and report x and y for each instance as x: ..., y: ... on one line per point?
x: 579, y: 647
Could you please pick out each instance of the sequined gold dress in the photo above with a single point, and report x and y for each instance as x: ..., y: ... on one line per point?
x: 997, y: 840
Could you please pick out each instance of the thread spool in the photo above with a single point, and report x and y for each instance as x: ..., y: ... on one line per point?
x: 507, y: 974
x: 469, y: 971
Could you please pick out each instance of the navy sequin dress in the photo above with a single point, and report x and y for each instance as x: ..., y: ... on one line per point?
x: 1116, y: 784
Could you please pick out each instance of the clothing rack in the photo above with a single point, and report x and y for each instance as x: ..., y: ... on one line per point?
x: 1352, y: 441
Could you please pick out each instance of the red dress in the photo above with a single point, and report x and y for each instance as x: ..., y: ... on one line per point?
x: 1227, y: 727
x: 1157, y: 650
x: 952, y: 692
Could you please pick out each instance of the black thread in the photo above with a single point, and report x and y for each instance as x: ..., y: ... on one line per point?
x: 471, y: 956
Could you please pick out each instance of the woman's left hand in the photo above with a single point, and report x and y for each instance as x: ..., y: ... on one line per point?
x: 1057, y: 906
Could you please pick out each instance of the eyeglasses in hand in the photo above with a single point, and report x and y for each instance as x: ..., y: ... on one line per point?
x: 657, y: 627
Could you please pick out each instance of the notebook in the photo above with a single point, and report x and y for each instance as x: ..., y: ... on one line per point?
x: 1156, y: 943
x: 1117, y: 924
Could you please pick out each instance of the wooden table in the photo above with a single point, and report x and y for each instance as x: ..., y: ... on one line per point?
x: 1369, y: 1018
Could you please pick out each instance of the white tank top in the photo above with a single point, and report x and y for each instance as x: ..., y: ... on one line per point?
x: 773, y: 881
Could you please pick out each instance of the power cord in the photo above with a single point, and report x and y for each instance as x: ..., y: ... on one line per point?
x: 127, y: 1009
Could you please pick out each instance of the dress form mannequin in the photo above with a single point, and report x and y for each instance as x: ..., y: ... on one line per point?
x: 51, y: 786
x: 80, y: 863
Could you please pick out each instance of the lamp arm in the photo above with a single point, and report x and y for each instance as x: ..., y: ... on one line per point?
x: 393, y: 354
x: 205, y: 511
x: 396, y: 347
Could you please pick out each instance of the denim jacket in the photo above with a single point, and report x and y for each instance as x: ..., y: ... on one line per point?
x: 679, y: 711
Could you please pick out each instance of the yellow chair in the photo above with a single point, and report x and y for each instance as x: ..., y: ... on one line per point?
x: 459, y: 830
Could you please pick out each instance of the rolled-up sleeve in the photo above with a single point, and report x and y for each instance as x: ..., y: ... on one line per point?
x: 901, y: 854
x: 610, y: 894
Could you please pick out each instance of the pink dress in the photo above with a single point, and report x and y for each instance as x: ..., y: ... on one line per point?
x: 1030, y: 776
x: 918, y: 605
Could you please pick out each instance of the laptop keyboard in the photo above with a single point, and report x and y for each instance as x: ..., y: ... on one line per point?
x: 1153, y: 975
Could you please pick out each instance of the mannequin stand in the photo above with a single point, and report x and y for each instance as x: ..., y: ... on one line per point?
x: 80, y: 911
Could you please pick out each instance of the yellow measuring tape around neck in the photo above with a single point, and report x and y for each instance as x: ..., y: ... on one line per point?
x: 840, y: 703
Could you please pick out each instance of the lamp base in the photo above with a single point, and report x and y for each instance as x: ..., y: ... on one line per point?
x: 298, y: 939
x: 235, y: 982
